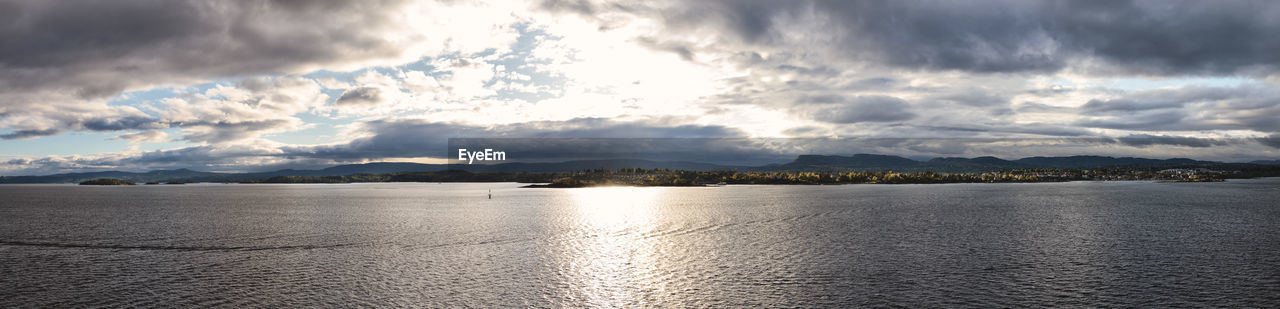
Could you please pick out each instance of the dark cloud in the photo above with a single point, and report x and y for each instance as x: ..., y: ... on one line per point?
x: 1167, y: 98
x: 1148, y: 121
x: 416, y: 138
x: 1096, y: 106
x: 1033, y: 107
x: 968, y: 129
x: 1051, y: 91
x: 61, y: 63
x: 945, y: 35
x: 220, y: 131
x: 1273, y: 141
x: 1171, y: 37
x: 361, y: 96
x: 976, y: 97
x: 98, y: 48
x: 25, y: 134
x: 124, y: 123
x: 935, y: 146
x: 1145, y: 140
x: 874, y: 83
x: 803, y: 131
x: 103, y: 123
x: 838, y: 109
x: 1246, y: 107
x: 1131, y: 37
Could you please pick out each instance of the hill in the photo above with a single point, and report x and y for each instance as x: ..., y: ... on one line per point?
x: 867, y: 162
x: 1106, y: 162
x: 106, y: 182
x: 186, y: 175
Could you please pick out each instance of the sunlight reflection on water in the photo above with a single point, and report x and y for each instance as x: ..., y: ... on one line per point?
x: 613, y: 260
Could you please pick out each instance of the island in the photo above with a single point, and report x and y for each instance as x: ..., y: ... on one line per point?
x: 106, y: 182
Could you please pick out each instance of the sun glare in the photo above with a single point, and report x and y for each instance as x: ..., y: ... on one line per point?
x: 616, y: 261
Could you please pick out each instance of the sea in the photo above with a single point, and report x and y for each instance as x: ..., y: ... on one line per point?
x: 1075, y: 244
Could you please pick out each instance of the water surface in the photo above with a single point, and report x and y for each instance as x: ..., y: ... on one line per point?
x: 983, y: 245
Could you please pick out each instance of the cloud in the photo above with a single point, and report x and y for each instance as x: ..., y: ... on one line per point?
x: 360, y: 96
x: 1051, y: 91
x: 1145, y: 140
x: 1033, y: 107
x: 246, y: 110
x: 1167, y: 98
x: 144, y: 137
x: 1124, y: 37
x: 386, y: 139
x: 101, y: 48
x: 25, y: 134
x: 683, y: 51
x: 974, y: 97
x: 223, y: 113
x: 374, y: 78
x: 1148, y: 121
x: 46, y: 120
x: 123, y: 123
x: 223, y: 131
x: 804, y: 131
x: 1192, y: 108
x: 1097, y: 106
x: 1272, y: 141
x: 412, y: 138
x: 402, y: 138
x: 64, y: 62
x: 974, y: 129
x: 835, y: 109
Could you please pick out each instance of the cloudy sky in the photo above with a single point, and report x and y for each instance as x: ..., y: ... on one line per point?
x: 253, y: 85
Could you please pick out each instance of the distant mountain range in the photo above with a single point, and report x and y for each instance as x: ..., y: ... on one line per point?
x: 979, y: 164
x: 866, y: 162
x: 186, y: 175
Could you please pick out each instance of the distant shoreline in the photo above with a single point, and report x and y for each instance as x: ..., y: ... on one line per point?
x: 544, y: 185
x: 635, y: 177
x: 408, y: 171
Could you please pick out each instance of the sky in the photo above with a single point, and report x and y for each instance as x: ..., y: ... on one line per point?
x: 260, y: 85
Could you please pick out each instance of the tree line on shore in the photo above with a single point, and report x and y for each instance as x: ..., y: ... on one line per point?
x: 670, y: 177
x: 674, y: 177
